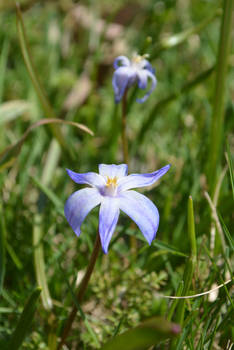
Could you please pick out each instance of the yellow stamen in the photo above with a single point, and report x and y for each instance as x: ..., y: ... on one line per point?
x: 111, y: 181
x: 138, y: 58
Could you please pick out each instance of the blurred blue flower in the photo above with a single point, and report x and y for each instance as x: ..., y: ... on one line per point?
x: 110, y: 188
x: 127, y: 73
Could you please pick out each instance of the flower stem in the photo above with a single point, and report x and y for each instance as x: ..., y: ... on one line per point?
x: 81, y: 290
x: 124, y: 124
x: 133, y: 241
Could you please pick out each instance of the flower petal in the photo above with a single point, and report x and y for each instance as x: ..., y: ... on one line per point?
x: 123, y: 77
x: 108, y: 217
x: 123, y: 60
x: 149, y: 67
x: 142, y: 78
x: 78, y: 205
x: 91, y: 178
x: 112, y: 170
x: 142, y: 211
x: 153, y: 84
x: 141, y: 180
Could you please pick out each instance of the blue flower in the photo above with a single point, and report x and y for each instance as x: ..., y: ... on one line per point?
x: 138, y: 70
x: 110, y: 188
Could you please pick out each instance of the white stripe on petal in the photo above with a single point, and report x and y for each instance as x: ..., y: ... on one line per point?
x: 108, y: 217
x: 78, y: 205
x: 141, y: 210
x: 141, y: 180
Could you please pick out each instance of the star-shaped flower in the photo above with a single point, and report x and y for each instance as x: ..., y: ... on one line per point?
x: 112, y: 189
x: 138, y: 70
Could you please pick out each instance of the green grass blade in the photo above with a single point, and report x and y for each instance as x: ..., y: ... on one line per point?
x: 175, y: 302
x: 189, y: 268
x: 8, y: 310
x: 6, y: 247
x: 30, y: 66
x: 226, y: 232
x: 2, y: 249
x: 39, y: 262
x: 3, y: 66
x: 50, y: 194
x: 49, y: 112
x: 148, y: 333
x: 25, y: 321
x: 162, y: 245
x: 191, y: 231
x: 117, y: 329
x: 159, y: 244
x: 216, y: 133
x: 14, y: 256
x: 230, y: 166
x: 213, y: 334
x: 8, y: 299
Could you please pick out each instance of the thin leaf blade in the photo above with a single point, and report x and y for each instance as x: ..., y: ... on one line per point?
x: 25, y: 320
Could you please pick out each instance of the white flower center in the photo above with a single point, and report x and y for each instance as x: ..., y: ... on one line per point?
x: 111, y: 186
x: 138, y: 61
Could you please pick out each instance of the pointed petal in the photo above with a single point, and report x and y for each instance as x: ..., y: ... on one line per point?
x: 123, y: 77
x: 78, y: 205
x: 141, y: 180
x: 123, y: 60
x: 113, y: 170
x: 153, y: 84
x: 141, y: 210
x: 108, y: 217
x: 91, y: 178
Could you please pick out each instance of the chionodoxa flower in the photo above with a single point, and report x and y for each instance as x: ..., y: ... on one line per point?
x: 112, y: 189
x: 127, y: 73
